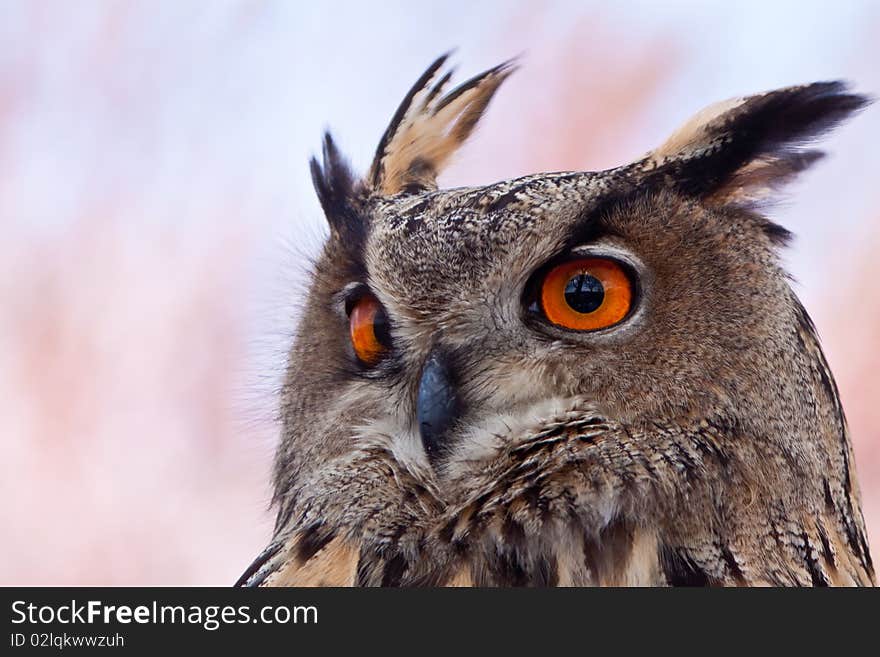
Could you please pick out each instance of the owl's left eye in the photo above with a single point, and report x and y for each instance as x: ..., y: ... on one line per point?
x: 586, y: 294
x: 368, y: 326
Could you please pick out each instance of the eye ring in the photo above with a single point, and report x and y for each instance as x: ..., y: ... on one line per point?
x: 369, y: 329
x: 586, y: 294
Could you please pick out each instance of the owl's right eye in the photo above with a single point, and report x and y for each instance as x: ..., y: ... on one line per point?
x: 586, y: 294
x: 368, y: 326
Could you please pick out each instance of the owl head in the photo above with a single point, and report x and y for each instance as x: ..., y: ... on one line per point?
x: 574, y: 377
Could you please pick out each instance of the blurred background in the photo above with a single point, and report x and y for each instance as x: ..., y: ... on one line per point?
x: 157, y: 218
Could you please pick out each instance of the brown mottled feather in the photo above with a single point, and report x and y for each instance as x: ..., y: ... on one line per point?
x: 699, y: 442
x: 428, y: 128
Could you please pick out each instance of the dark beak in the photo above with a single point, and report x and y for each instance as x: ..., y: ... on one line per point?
x: 437, y: 405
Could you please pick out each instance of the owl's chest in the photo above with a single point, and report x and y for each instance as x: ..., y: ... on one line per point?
x: 620, y: 556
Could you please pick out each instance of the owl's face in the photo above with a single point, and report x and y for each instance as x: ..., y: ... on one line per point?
x: 488, y: 293
x: 450, y: 337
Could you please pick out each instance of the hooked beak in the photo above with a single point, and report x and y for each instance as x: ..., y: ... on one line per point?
x: 437, y: 405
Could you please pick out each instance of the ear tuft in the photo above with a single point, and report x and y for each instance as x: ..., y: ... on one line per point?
x: 335, y: 185
x: 740, y: 151
x: 428, y: 128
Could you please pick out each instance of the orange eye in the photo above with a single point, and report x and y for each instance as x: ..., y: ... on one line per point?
x: 586, y: 294
x: 368, y: 325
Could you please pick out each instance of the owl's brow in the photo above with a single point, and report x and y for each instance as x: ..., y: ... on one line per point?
x: 592, y: 224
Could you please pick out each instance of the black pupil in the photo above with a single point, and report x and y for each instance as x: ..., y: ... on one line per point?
x: 381, y: 329
x: 584, y: 293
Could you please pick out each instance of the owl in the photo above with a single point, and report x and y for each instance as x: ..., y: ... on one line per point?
x: 565, y: 379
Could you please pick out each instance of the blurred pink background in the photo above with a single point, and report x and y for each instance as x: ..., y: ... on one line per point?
x: 157, y: 217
